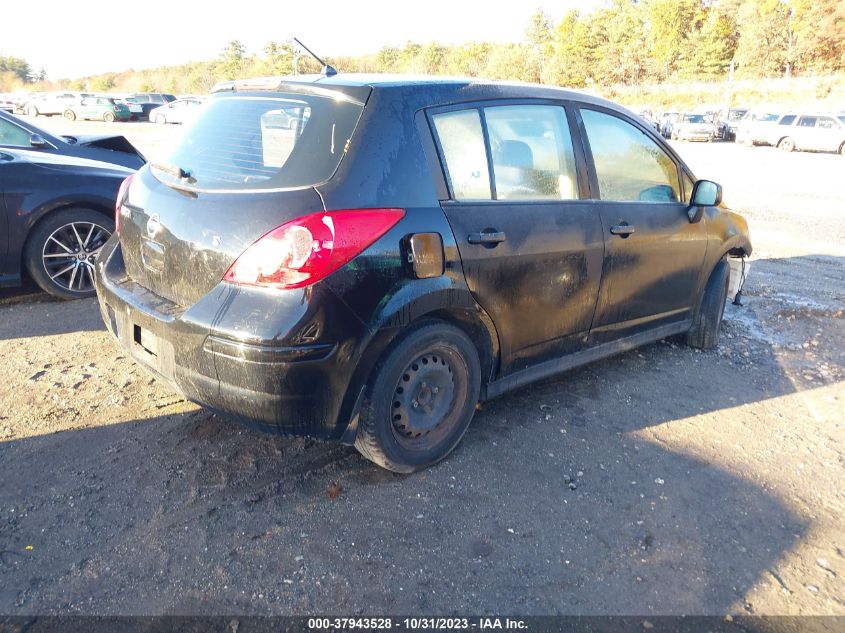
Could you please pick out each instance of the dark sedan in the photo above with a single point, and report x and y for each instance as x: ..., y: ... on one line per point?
x: 16, y: 133
x: 56, y: 212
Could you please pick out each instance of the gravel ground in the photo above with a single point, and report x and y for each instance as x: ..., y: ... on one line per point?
x: 662, y: 481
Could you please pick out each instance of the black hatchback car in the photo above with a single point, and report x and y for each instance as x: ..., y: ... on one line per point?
x: 404, y: 250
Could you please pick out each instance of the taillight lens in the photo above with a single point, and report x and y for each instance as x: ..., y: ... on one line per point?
x: 121, y: 195
x: 307, y: 249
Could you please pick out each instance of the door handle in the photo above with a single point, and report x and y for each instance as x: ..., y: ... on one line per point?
x: 487, y: 237
x: 623, y: 230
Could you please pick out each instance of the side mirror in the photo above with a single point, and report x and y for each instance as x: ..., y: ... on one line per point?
x: 36, y: 140
x: 705, y: 193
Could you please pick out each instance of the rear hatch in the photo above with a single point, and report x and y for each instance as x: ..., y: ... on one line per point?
x: 235, y: 175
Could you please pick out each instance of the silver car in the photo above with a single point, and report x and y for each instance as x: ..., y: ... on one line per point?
x: 755, y: 127
x: 813, y: 132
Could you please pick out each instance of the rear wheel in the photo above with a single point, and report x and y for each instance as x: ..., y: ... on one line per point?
x: 160, y: 119
x: 70, y: 115
x: 62, y: 249
x: 420, y: 400
x: 704, y: 333
x: 842, y: 149
x: 32, y: 110
x: 108, y: 117
x: 786, y: 144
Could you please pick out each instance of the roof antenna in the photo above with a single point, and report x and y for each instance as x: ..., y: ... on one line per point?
x: 327, y: 70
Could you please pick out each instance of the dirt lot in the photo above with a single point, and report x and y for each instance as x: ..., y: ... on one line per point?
x: 702, y: 483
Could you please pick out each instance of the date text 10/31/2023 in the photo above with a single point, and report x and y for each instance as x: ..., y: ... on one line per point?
x: 418, y: 624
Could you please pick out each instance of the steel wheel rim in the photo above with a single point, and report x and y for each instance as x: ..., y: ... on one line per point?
x: 69, y: 254
x: 432, y: 382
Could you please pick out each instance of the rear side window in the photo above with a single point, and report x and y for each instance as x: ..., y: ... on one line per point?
x: 807, y: 121
x: 630, y: 166
x: 532, y: 153
x: 462, y: 142
x: 245, y: 142
x: 787, y: 120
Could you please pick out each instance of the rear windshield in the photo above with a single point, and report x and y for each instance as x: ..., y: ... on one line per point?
x: 263, y: 142
x: 694, y: 118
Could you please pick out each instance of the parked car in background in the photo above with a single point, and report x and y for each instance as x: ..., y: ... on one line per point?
x: 811, y: 132
x: 150, y: 101
x: 755, y: 127
x: 100, y: 108
x: 136, y: 111
x: 414, y: 248
x: 727, y: 122
x: 665, y: 124
x: 693, y: 127
x: 51, y: 103
x: 17, y: 133
x: 7, y: 103
x: 179, y: 111
x: 56, y: 214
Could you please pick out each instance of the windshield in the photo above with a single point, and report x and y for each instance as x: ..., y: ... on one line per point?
x: 768, y: 117
x: 736, y: 115
x: 694, y: 118
x: 259, y: 142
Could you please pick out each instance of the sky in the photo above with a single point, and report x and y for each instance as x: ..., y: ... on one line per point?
x: 71, y: 39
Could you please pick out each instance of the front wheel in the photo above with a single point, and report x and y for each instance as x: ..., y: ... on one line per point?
x: 32, y: 111
x: 70, y: 115
x: 420, y: 400
x: 704, y: 333
x: 62, y: 248
x: 786, y: 144
x: 160, y: 119
x: 108, y: 117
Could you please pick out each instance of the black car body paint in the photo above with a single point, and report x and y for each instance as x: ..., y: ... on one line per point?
x: 559, y: 291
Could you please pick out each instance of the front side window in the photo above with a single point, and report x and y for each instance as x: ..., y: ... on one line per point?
x: 11, y: 134
x: 630, y: 166
x: 787, y: 120
x: 465, y: 156
x: 532, y: 153
x: 807, y: 121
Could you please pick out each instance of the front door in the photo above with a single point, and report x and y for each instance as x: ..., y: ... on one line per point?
x: 653, y: 253
x: 531, y: 248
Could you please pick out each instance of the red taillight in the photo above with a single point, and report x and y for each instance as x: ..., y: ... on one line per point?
x: 121, y: 195
x: 307, y: 249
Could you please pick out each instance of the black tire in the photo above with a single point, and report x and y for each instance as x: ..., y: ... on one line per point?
x: 108, y: 117
x: 32, y: 110
x: 70, y: 115
x: 420, y: 399
x: 704, y: 333
x: 45, y: 258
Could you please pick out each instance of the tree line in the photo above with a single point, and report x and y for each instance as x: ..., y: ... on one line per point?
x: 625, y: 42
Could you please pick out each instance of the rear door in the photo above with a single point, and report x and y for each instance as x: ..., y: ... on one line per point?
x: 5, y: 160
x: 530, y: 245
x: 653, y: 254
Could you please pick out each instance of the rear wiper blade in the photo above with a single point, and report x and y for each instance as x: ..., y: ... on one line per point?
x: 175, y: 171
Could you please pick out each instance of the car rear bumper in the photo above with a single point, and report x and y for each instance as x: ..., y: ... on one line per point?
x: 247, y: 358
x: 695, y: 136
